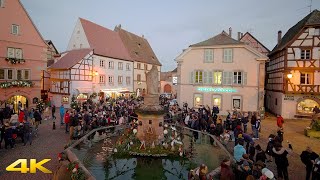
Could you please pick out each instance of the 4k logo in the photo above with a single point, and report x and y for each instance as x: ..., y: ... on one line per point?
x: 32, y: 168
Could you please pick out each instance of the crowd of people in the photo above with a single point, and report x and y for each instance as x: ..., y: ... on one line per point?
x: 250, y: 160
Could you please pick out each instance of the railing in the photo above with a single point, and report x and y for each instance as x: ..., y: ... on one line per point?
x: 116, y: 130
x: 310, y: 89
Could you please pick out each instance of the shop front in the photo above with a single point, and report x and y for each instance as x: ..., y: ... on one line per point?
x: 115, y: 93
x: 306, y: 104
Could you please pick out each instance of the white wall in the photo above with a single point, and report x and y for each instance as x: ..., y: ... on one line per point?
x: 78, y: 38
x: 271, y: 99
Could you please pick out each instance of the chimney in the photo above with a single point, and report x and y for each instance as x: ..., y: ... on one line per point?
x: 279, y: 36
x: 230, y: 31
x: 239, y: 36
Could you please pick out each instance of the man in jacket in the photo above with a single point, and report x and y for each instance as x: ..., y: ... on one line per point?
x: 280, y: 155
x: 308, y: 158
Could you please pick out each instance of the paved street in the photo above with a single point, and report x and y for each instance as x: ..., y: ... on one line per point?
x: 47, y: 145
x: 293, y: 132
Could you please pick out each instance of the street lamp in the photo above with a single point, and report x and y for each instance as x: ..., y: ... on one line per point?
x: 95, y: 73
x: 289, y: 76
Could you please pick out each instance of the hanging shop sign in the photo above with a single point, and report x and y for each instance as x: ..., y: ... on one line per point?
x: 288, y: 97
x: 221, y: 90
x: 65, y: 99
x: 174, y: 80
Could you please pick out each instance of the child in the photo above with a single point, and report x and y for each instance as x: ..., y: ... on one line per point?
x: 225, y: 137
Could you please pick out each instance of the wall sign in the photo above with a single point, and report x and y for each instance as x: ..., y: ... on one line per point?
x: 65, y: 99
x: 209, y: 89
x: 288, y: 98
x: 174, y: 80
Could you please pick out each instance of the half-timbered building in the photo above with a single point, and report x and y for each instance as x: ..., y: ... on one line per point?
x: 293, y: 73
x: 71, y: 75
x: 111, y: 60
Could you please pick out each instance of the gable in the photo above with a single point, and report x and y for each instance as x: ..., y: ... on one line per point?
x: 78, y: 38
x: 250, y: 40
x: 28, y: 32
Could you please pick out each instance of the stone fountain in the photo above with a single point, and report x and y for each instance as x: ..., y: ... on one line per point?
x: 150, y: 114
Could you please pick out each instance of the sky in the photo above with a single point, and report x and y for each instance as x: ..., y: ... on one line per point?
x: 170, y: 25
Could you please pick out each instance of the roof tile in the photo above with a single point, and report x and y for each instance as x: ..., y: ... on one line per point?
x: 70, y: 58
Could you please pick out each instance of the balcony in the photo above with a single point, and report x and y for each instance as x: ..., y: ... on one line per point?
x: 304, y: 89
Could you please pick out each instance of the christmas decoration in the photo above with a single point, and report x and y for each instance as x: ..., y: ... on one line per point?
x: 77, y: 172
x: 15, y: 60
x: 16, y: 83
x: 74, y: 104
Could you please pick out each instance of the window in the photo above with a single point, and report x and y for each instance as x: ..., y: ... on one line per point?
x: 197, y: 100
x: 227, y: 55
x: 111, y: 64
x: 120, y: 79
x: 217, y: 77
x: 317, y: 32
x: 146, y: 66
x: 120, y: 65
x: 128, y: 67
x: 14, y: 53
x: 26, y: 74
x: 9, y: 73
x: 227, y: 78
x: 305, y: 53
x: 198, y: 77
x: 276, y: 102
x: 138, y: 77
x: 102, y: 63
x: 2, y: 72
x: 19, y: 74
x: 138, y: 66
x: 306, y: 78
x: 216, y: 101
x: 237, y: 77
x: 101, y: 79
x: 15, y: 29
x: 110, y: 79
x: 128, y: 80
x: 1, y: 3
x: 208, y: 55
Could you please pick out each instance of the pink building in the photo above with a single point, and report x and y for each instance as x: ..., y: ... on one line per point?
x: 23, y: 56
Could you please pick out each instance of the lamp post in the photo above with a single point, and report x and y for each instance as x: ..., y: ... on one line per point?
x: 289, y: 76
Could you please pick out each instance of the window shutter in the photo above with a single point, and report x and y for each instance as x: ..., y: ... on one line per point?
x: 231, y: 55
x: 244, y: 78
x: 205, y: 77
x: 210, y: 77
x: 297, y: 54
x: 191, y: 78
x: 205, y: 55
x: 212, y: 55
x: 11, y: 53
x: 224, y: 78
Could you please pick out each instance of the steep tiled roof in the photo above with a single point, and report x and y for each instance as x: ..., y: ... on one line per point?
x: 311, y: 19
x: 138, y: 47
x: 70, y: 58
x: 220, y: 39
x: 104, y: 41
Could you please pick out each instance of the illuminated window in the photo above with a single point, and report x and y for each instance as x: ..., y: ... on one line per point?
x: 216, y: 101
x: 198, y: 77
x: 306, y: 78
x: 217, y: 77
x: 197, y: 100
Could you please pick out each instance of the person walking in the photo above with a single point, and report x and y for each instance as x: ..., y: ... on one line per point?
x: 253, y: 123
x: 257, y: 128
x: 27, y: 132
x: 53, y: 111
x: 37, y: 118
x: 21, y: 115
x: 245, y: 120
x: 62, y: 112
x: 308, y: 158
x: 73, y: 123
x: 280, y: 121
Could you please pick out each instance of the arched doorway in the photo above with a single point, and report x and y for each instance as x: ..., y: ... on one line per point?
x: 18, y: 99
x: 167, y: 88
x: 305, y: 106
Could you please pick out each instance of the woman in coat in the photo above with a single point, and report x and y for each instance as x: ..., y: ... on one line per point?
x: 280, y: 155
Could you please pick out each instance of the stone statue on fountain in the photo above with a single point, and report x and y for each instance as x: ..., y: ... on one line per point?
x: 152, y: 78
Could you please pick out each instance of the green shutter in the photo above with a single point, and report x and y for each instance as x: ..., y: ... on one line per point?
x: 210, y: 77
x: 191, y: 78
x: 224, y: 78
x: 244, y: 78
x: 205, y: 77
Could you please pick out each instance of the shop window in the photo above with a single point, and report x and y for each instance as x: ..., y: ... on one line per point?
x: 306, y: 106
x: 198, y: 100
x: 216, y: 101
x: 236, y: 102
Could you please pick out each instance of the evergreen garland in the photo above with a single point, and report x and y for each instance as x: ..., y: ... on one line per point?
x: 16, y: 83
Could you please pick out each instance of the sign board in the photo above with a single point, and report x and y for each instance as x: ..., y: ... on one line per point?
x: 288, y: 97
x: 209, y: 89
x: 174, y: 80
